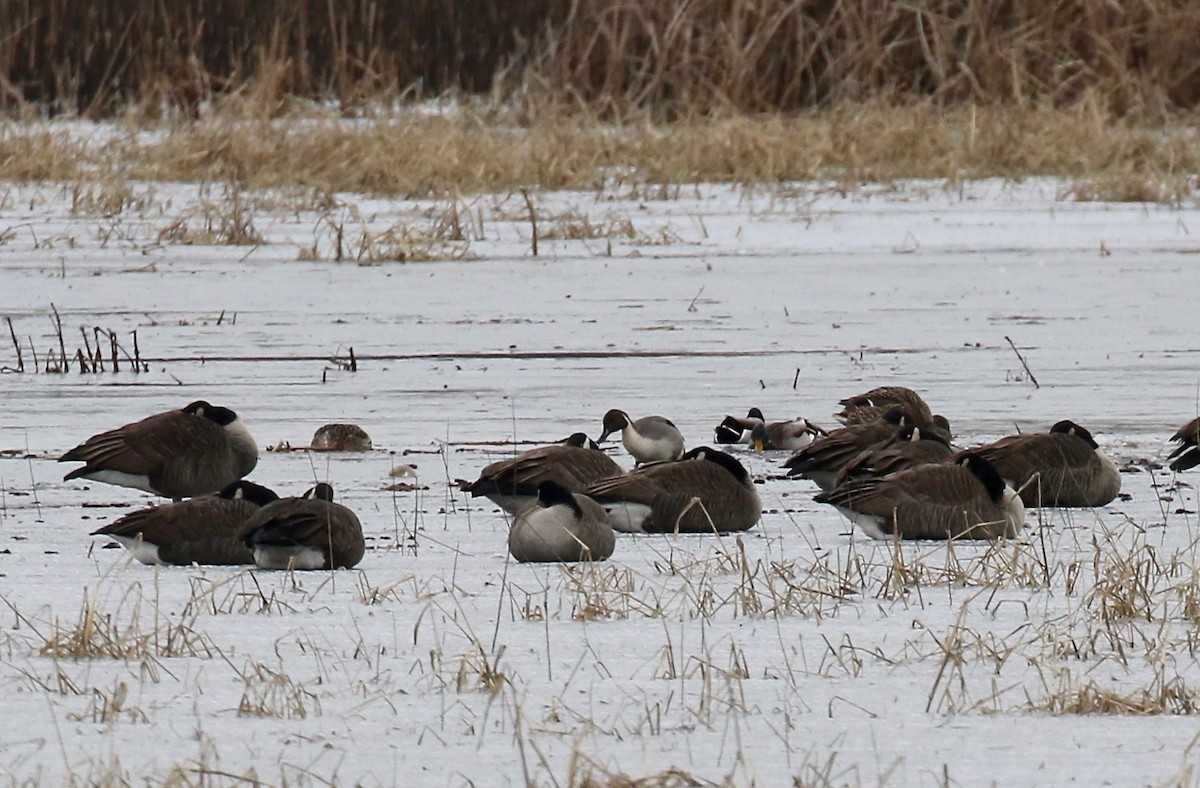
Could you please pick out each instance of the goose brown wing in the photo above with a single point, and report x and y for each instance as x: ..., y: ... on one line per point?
x: 572, y: 467
x: 136, y: 449
x: 637, y: 487
x: 201, y: 530
x: 929, y: 502
x: 1019, y: 457
x: 841, y: 447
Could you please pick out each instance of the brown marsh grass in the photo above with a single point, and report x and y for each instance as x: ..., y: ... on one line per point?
x: 474, y: 149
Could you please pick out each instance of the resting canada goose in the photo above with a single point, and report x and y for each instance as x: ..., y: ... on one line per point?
x: 340, y: 437
x: 705, y: 491
x: 1070, y: 468
x: 872, y: 405
x: 573, y: 464
x: 561, y: 526
x: 963, y: 500
x: 199, y: 449
x: 821, y: 460
x: 311, y: 532
x: 1187, y: 453
x: 784, y: 435
x: 737, y: 429
x: 913, y: 447
x: 201, y: 530
x: 649, y: 439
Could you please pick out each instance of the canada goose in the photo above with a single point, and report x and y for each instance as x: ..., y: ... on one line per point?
x: 784, y: 435
x: 649, y: 439
x: 340, y: 437
x: 705, y: 491
x: 737, y: 429
x: 1187, y: 453
x: 199, y: 449
x: 573, y: 464
x: 1069, y: 466
x: 202, y: 530
x: 561, y: 526
x: 311, y: 532
x: 873, y: 404
x: 963, y: 500
x: 821, y: 460
x: 912, y: 447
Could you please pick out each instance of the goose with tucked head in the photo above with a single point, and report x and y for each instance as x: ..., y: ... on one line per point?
x: 572, y: 463
x: 824, y: 458
x: 705, y: 491
x: 311, y: 532
x: 963, y: 500
x: 202, y: 530
x: 1062, y: 467
x: 561, y: 526
x: 199, y: 449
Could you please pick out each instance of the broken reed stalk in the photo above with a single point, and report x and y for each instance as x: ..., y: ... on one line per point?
x: 533, y: 239
x: 62, y: 348
x: 16, y: 346
x: 353, y: 361
x: 1021, y: 358
x: 112, y: 340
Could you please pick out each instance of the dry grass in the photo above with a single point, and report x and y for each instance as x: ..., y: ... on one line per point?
x: 309, y: 158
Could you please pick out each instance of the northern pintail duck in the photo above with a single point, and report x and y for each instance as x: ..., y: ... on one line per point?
x: 963, y: 500
x: 649, y: 439
x: 311, y: 532
x: 705, y: 491
x: 178, y: 454
x: 202, y: 530
x: 561, y: 526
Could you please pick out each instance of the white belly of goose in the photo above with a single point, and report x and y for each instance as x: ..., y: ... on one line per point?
x: 121, y: 480
x: 145, y: 552
x: 627, y: 518
x: 279, y: 557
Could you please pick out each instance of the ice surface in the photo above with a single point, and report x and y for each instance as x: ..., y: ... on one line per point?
x: 799, y: 650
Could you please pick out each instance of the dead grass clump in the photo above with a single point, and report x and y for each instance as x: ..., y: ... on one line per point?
x: 1161, y: 696
x: 227, y: 220
x: 270, y: 693
x: 129, y: 632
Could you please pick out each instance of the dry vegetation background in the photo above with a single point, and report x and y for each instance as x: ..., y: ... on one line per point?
x: 551, y: 93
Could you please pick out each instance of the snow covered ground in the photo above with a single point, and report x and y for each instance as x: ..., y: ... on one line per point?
x: 799, y: 650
